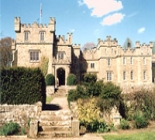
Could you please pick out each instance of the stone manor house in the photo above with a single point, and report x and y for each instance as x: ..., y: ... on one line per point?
x: 109, y: 61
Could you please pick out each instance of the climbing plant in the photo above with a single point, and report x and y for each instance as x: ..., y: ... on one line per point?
x: 44, y: 65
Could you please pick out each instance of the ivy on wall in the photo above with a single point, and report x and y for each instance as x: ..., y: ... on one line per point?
x: 44, y: 65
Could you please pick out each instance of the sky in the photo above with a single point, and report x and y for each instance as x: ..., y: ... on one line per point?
x: 88, y: 20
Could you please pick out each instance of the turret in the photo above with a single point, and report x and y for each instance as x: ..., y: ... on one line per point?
x: 51, y: 24
x: 17, y: 24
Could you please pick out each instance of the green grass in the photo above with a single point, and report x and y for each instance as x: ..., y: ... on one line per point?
x: 132, y: 136
x: 49, y: 99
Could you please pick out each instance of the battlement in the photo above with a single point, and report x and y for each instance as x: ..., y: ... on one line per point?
x: 18, y: 25
x: 108, y: 42
x: 77, y: 46
x: 63, y: 41
x: 138, y: 45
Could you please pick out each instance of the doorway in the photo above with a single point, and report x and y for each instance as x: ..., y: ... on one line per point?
x: 61, y: 76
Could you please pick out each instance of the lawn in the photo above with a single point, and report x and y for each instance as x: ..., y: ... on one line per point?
x: 49, y: 99
x: 140, y: 135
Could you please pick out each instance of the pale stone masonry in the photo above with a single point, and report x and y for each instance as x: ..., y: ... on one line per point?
x: 125, y: 67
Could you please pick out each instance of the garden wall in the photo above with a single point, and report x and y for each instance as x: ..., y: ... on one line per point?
x: 131, y: 88
x: 20, y: 113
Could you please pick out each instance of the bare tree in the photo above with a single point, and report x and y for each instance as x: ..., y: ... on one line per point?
x: 5, y: 51
x: 88, y: 46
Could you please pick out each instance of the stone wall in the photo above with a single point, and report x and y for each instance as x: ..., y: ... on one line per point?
x: 50, y: 90
x: 20, y: 113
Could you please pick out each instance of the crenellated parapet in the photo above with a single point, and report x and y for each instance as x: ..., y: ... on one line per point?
x: 62, y: 41
x: 139, y: 49
x: 108, y: 42
x: 77, y: 46
x: 18, y: 26
x: 110, y: 48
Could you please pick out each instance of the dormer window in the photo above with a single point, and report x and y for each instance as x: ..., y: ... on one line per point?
x: 42, y: 35
x: 26, y: 35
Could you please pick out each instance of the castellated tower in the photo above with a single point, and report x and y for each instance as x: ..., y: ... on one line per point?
x: 37, y: 41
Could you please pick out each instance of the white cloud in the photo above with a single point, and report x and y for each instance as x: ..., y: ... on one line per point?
x: 141, y: 30
x: 80, y: 2
x: 113, y: 19
x: 102, y: 7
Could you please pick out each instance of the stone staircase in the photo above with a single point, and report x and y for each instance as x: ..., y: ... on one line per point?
x: 56, y: 119
x: 55, y: 124
x: 61, y: 92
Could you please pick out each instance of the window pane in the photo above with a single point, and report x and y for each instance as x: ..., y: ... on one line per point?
x: 108, y: 61
x: 26, y: 36
x: 34, y: 55
x: 41, y: 36
x: 109, y: 76
x: 124, y: 75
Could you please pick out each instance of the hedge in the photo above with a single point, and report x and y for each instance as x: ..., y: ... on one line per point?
x: 71, y: 79
x: 50, y: 79
x: 21, y: 85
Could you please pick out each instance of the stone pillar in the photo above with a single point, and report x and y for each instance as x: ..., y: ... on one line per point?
x: 33, y: 131
x: 75, y: 128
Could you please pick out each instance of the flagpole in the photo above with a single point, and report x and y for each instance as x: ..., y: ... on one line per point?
x: 40, y: 12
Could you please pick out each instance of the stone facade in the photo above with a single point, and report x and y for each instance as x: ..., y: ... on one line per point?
x: 125, y: 67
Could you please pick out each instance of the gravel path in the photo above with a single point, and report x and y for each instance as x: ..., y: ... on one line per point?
x: 84, y: 137
x: 61, y: 101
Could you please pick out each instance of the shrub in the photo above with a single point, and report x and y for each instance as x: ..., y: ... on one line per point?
x: 9, y: 128
x: 141, y: 101
x: 140, y: 121
x: 110, y: 91
x: 89, y: 78
x: 94, y: 89
x: 71, y: 79
x: 109, y: 97
x: 96, y: 126
x: 50, y: 79
x: 74, y: 95
x: 90, y: 115
x: 21, y: 85
x: 124, y: 124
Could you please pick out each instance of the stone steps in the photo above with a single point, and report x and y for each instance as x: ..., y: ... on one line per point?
x: 56, y: 128
x: 51, y: 134
x: 61, y: 92
x: 55, y: 124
